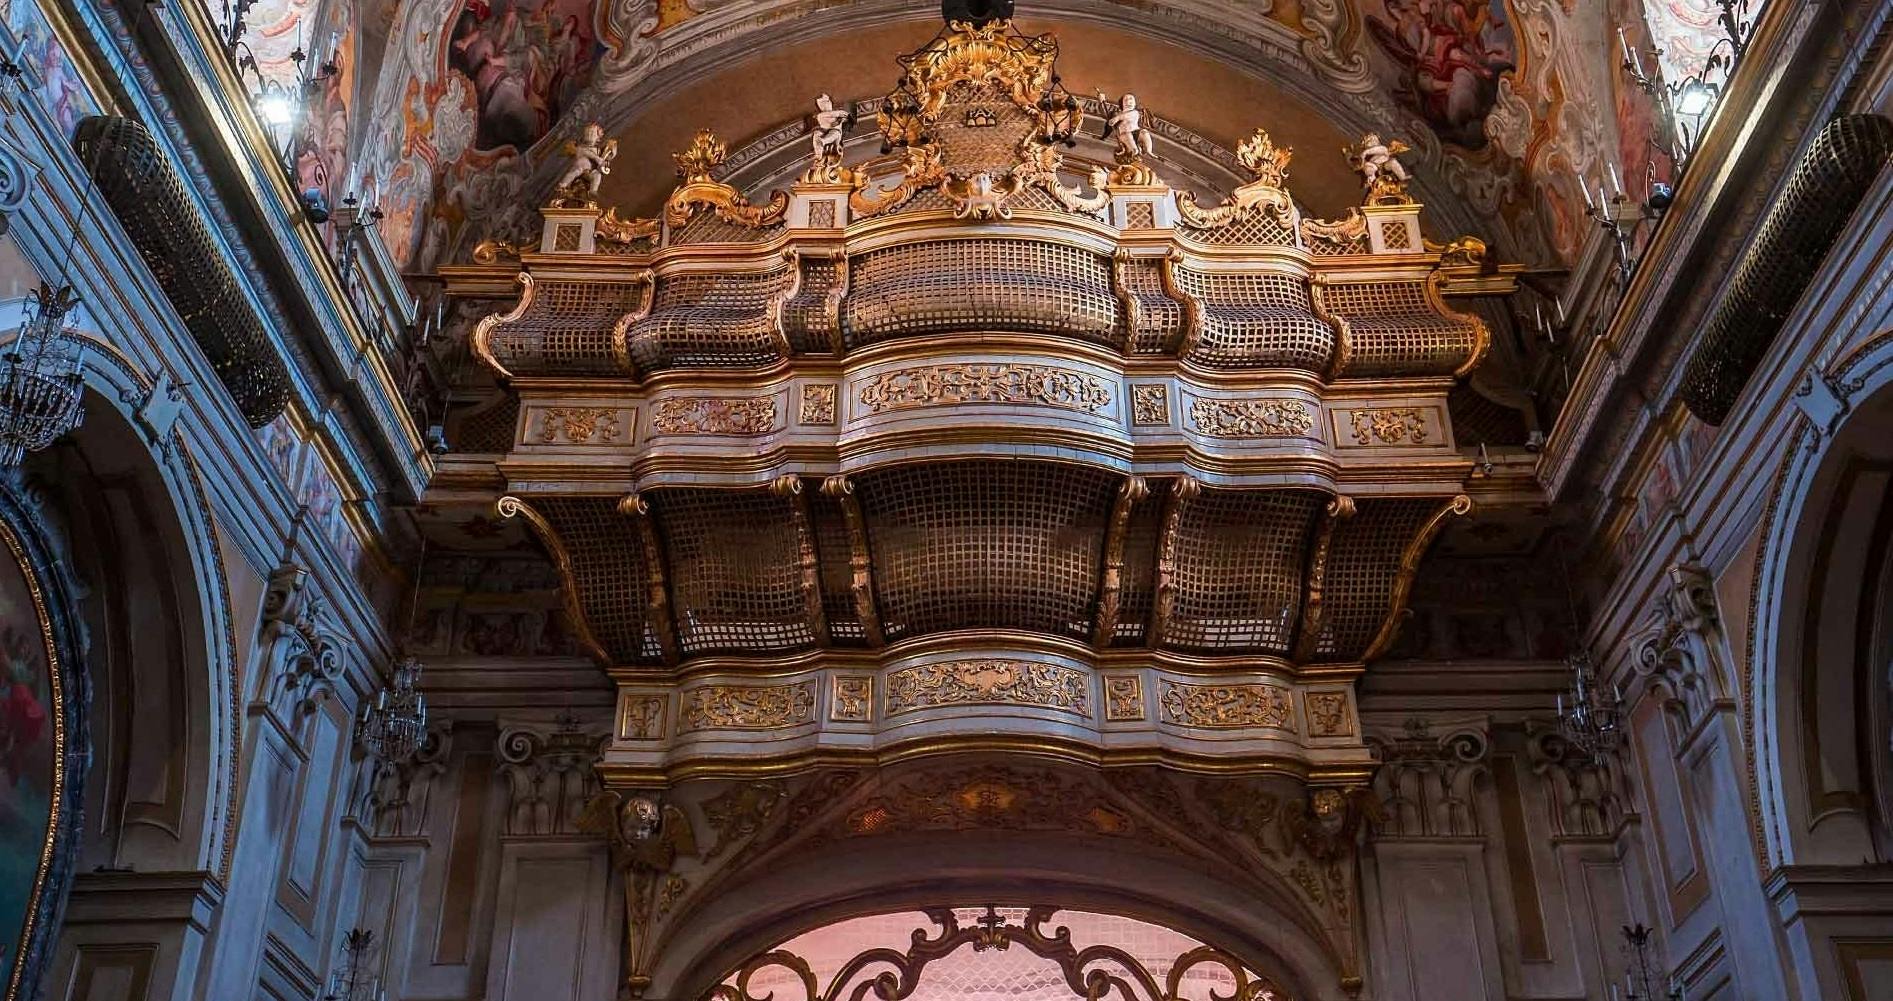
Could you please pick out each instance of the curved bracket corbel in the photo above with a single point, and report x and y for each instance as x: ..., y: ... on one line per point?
x: 508, y: 507
x: 1459, y: 505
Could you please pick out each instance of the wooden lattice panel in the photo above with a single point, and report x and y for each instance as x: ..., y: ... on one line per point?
x: 955, y: 286
x: 710, y: 320
x: 1400, y: 328
x: 607, y: 566
x: 1257, y: 320
x: 566, y: 329
x: 1240, y: 562
x: 1361, y: 572
x: 735, y: 570
x: 987, y: 544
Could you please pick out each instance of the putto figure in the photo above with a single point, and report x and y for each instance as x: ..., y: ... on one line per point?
x: 1383, y: 177
x: 825, y: 138
x: 591, y: 161
x: 1127, y: 130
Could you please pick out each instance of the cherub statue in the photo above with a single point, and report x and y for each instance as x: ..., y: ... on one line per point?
x: 642, y: 834
x: 825, y: 139
x: 591, y: 161
x: 1126, y: 129
x: 1383, y: 177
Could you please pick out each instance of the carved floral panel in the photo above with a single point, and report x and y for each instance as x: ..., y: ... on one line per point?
x: 1227, y: 706
x: 1264, y: 418
x: 988, y: 682
x: 948, y: 385
x: 748, y: 707
x: 714, y: 415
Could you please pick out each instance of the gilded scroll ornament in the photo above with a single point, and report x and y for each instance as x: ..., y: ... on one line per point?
x: 1327, y: 714
x: 1150, y: 405
x: 1466, y: 251
x: 579, y: 425
x: 851, y: 699
x: 1039, y: 164
x: 982, y: 196
x: 700, y: 191
x: 946, y: 385
x: 1123, y: 698
x: 613, y: 229
x: 1390, y: 426
x: 818, y: 404
x: 1264, y: 418
x: 988, y: 682
x: 748, y: 707
x: 1227, y: 706
x: 714, y: 415
x: 1106, y: 970
x: 1267, y: 193
x: 491, y: 251
x: 922, y: 166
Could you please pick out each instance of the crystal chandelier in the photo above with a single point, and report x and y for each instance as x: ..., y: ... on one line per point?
x: 1590, y: 716
x: 394, y: 725
x: 42, y: 382
x: 352, y: 980
x: 1643, y: 976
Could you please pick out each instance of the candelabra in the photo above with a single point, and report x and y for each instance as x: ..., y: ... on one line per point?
x: 1686, y: 105
x: 1592, y: 718
x: 394, y: 725
x: 42, y: 378
x: 353, y: 980
x: 1642, y: 973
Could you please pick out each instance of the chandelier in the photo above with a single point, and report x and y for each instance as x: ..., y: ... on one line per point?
x: 352, y: 979
x: 42, y: 382
x: 1591, y: 717
x: 394, y: 725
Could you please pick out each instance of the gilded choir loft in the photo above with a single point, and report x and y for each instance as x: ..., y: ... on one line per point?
x: 793, y: 500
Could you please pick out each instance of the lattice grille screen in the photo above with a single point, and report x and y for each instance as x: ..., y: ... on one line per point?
x: 608, y: 564
x: 735, y: 570
x: 1360, y: 577
x: 1257, y: 321
x: 987, y: 544
x: 1260, y: 229
x: 805, y: 317
x: 489, y: 428
x: 1398, y: 331
x: 835, y: 551
x: 1159, y: 317
x: 954, y: 286
x: 713, y: 320
x: 567, y: 329
x: 1140, y: 566
x: 1240, y: 569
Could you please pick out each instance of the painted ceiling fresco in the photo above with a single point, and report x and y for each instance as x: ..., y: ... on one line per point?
x: 454, y: 121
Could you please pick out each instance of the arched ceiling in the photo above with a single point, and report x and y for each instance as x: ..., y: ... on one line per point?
x: 1506, y: 102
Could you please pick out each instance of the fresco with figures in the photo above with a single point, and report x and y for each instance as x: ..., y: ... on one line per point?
x: 46, y: 61
x: 28, y: 747
x: 1511, y: 104
x: 1451, y: 55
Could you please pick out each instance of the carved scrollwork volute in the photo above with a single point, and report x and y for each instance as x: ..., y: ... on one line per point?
x: 300, y: 658
x: 395, y: 797
x: 1679, y: 641
x: 16, y: 182
x: 1428, y: 785
x: 1587, y: 792
x: 549, y: 776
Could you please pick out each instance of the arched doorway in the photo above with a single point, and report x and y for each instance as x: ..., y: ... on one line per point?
x: 976, y: 953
